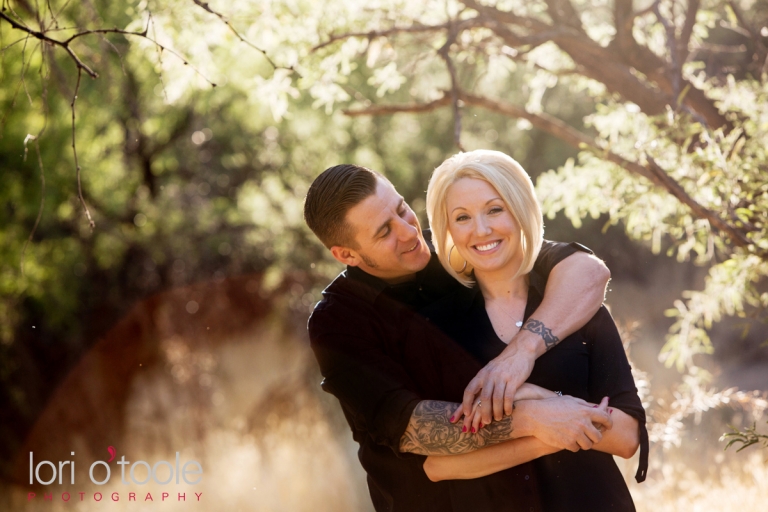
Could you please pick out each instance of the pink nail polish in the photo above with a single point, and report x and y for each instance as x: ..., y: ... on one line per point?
x: 481, y: 425
x: 473, y: 430
x: 610, y: 411
x: 463, y: 429
x: 452, y: 417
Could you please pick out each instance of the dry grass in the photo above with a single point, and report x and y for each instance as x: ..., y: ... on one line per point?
x: 250, y: 410
x: 676, y: 487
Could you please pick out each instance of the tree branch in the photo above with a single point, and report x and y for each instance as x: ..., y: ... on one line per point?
x: 676, y: 66
x: 414, y: 108
x: 444, y: 54
x: 761, y: 51
x: 556, y: 127
x: 721, y: 48
x: 65, y: 44
x: 542, y: 121
x: 687, y: 31
x: 205, y: 6
x: 597, y: 62
x: 41, y: 36
x: 459, y: 26
x: 623, y: 21
x: 507, y: 17
x: 42, y: 196
x: 610, y: 66
x: 652, y: 172
x: 374, y: 34
x: 516, y: 40
x: 74, y: 152
x: 738, y: 237
x: 563, y: 12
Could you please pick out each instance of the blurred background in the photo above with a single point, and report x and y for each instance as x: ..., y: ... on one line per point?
x: 156, y: 274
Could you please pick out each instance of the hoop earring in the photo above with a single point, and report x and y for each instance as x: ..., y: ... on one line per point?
x: 449, y: 261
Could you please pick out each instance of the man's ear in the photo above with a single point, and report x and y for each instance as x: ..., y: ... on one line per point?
x: 345, y: 255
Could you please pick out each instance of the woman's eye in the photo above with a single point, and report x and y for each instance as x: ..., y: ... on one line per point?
x: 461, y: 218
x: 496, y: 209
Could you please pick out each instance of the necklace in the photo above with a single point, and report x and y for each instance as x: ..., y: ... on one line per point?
x: 518, y: 323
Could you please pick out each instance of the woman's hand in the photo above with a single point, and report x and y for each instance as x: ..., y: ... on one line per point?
x: 623, y: 439
x: 527, y: 391
x: 619, y: 436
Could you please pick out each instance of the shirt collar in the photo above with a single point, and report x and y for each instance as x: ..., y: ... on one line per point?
x: 369, y: 287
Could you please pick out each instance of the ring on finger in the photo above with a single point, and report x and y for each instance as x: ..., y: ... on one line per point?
x: 479, y: 403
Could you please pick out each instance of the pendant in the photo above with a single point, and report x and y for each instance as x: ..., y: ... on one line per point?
x: 519, y: 324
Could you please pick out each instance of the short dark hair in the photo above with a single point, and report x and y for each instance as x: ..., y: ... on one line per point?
x: 333, y: 193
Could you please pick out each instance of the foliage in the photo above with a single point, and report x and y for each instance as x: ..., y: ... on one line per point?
x: 746, y: 438
x: 184, y: 182
x: 723, y: 172
x: 664, y: 105
x: 669, y: 116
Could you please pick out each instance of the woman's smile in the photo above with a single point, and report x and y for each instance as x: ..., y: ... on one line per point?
x: 485, y: 248
x: 484, y: 231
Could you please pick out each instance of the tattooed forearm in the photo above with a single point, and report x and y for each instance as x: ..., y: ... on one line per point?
x: 430, y: 431
x: 536, y: 327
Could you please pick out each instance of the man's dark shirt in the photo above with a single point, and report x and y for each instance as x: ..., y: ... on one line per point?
x: 358, y: 334
x: 589, y: 364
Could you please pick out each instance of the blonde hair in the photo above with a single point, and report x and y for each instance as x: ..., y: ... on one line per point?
x: 514, y: 186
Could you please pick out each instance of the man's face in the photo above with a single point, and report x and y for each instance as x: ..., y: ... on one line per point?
x: 388, y: 236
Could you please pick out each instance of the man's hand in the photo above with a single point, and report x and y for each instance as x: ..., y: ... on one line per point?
x: 494, y: 387
x: 565, y: 422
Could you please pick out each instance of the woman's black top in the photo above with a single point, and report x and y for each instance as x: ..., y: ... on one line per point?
x: 589, y: 364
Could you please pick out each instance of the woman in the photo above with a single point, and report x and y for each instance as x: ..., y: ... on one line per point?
x: 487, y: 229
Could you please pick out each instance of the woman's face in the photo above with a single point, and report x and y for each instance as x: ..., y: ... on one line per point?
x: 483, y: 229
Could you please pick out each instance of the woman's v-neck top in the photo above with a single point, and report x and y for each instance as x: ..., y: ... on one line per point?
x: 589, y: 364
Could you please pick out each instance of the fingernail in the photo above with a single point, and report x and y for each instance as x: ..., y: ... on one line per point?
x: 481, y: 425
x: 463, y: 429
x: 594, y: 406
x: 452, y: 418
x: 610, y: 411
x: 473, y: 430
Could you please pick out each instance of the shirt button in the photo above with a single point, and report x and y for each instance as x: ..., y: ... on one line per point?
x: 527, y: 477
x: 531, y: 509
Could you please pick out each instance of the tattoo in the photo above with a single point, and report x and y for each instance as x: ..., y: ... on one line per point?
x: 536, y: 327
x: 430, y: 431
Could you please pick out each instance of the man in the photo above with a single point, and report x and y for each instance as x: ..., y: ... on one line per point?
x: 396, y: 393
